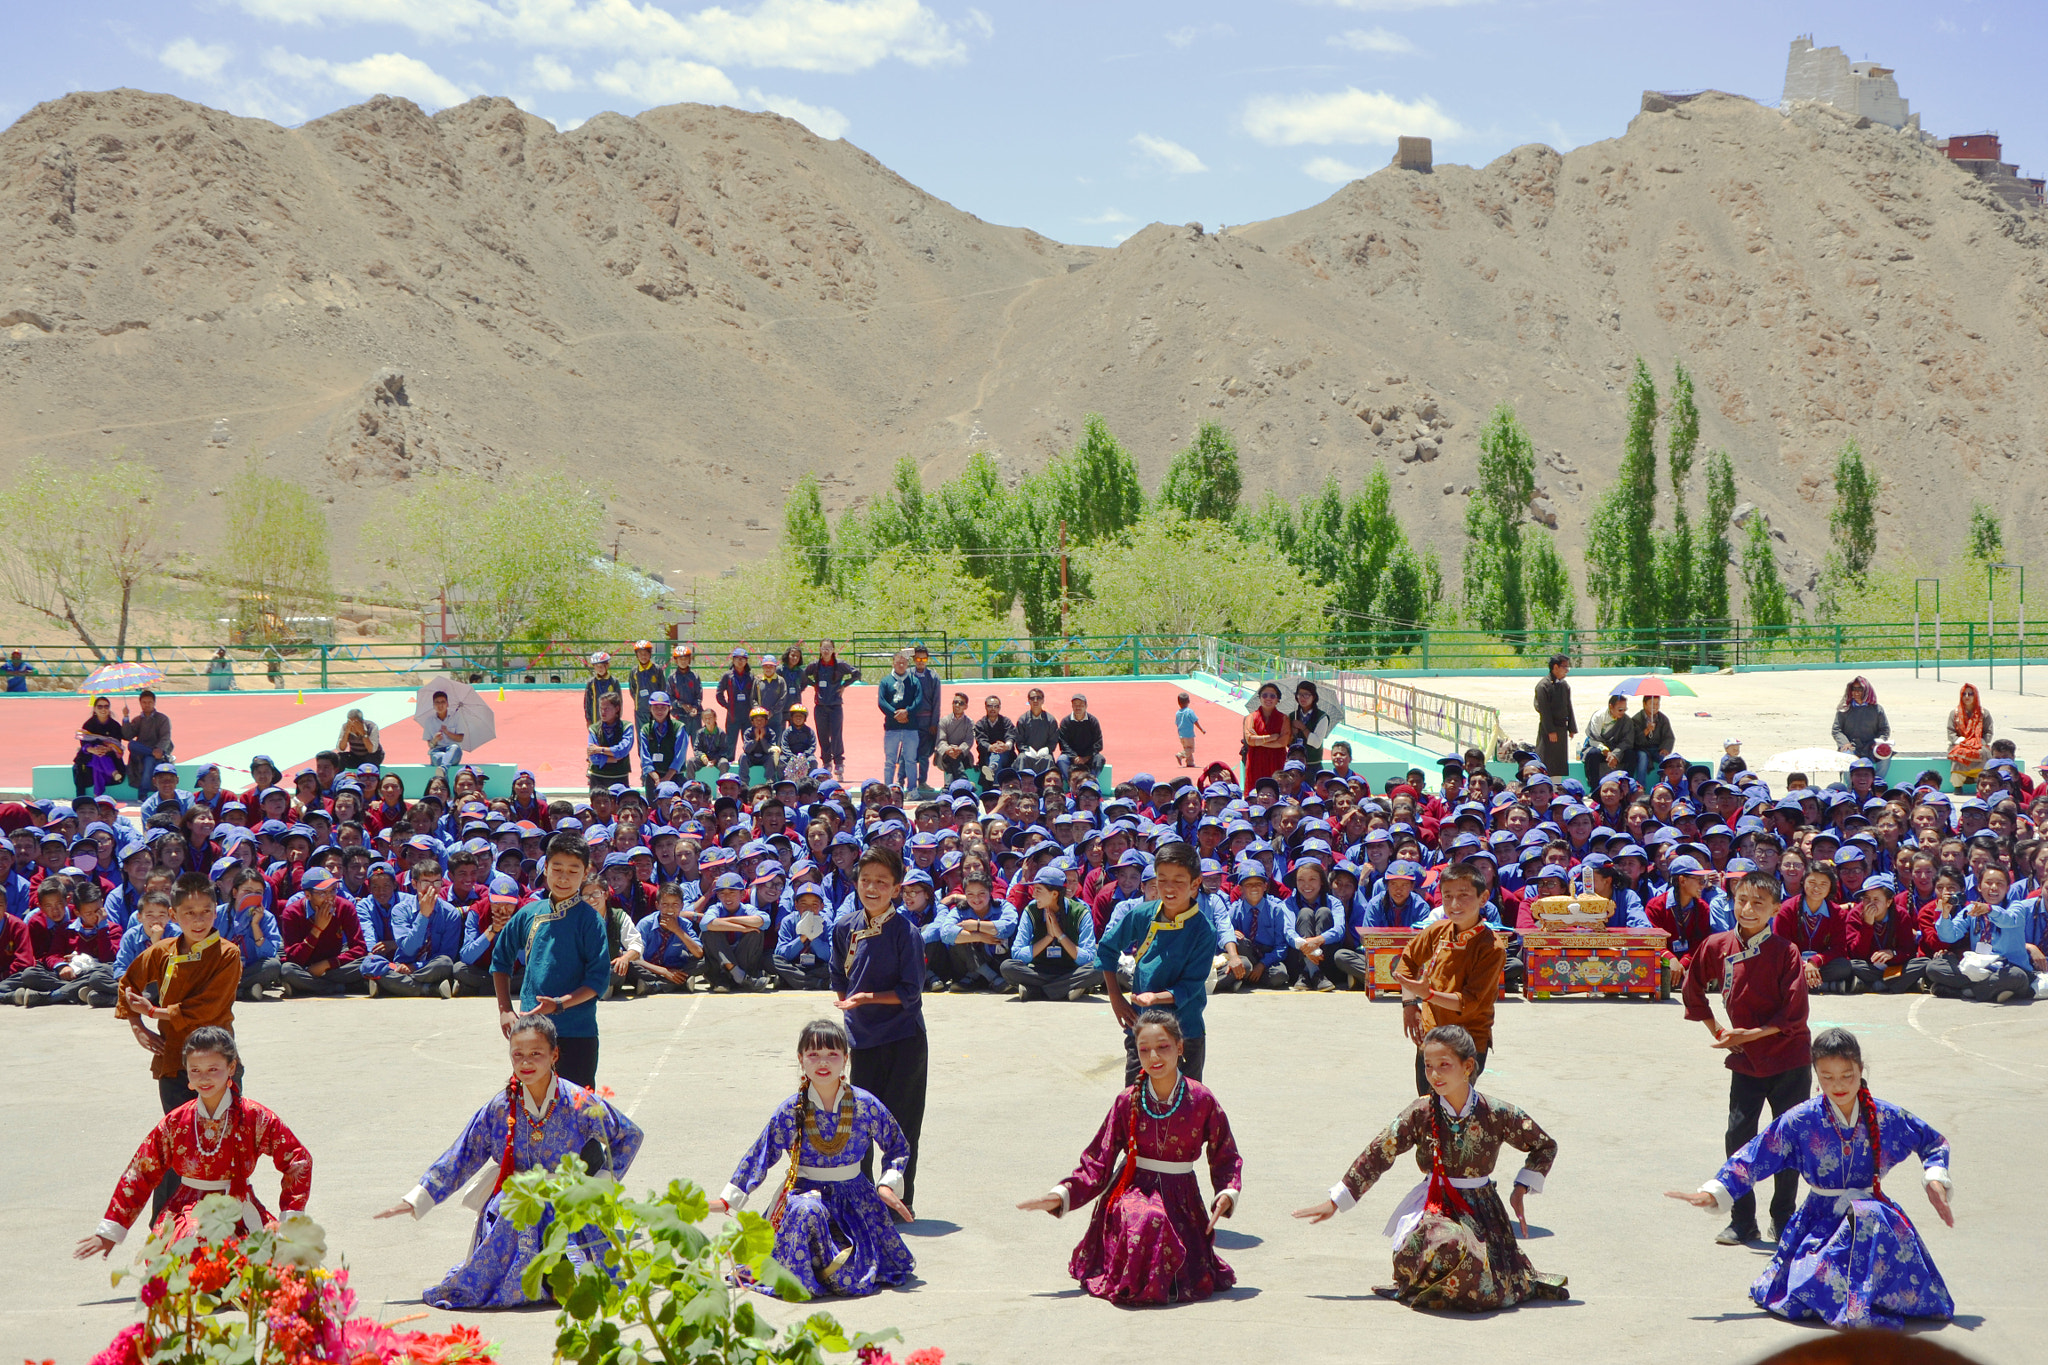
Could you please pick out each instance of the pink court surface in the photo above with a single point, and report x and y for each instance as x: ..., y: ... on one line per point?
x: 542, y: 730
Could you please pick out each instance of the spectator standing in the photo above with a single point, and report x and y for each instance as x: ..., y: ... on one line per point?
x: 830, y: 676
x: 1185, y: 723
x: 1556, y: 722
x: 927, y: 713
x: 664, y: 745
x: 686, y: 691
x: 1859, y: 721
x: 1266, y: 734
x: 220, y: 672
x: 16, y: 672
x: 1312, y: 724
x: 646, y: 679
x: 1080, y: 742
x: 601, y: 684
x: 611, y: 745
x: 149, y: 739
x: 773, y: 695
x: 897, y: 696
x: 995, y: 739
x: 736, y: 699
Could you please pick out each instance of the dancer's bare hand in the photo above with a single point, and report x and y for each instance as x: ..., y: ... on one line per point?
x: 1318, y: 1213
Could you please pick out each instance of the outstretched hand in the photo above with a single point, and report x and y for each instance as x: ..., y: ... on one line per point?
x: 1937, y: 1195
x: 89, y: 1247
x: 402, y: 1209
x: 1045, y: 1203
x: 1221, y: 1208
x: 1699, y: 1199
x: 1318, y: 1213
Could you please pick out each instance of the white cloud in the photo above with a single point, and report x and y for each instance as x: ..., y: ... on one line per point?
x: 666, y: 80
x: 1348, y: 115
x: 801, y: 35
x: 1399, y: 6
x: 1109, y: 218
x: 1372, y: 40
x: 386, y: 73
x: 825, y: 121
x: 1170, y: 155
x: 1331, y: 171
x: 550, y: 74
x: 195, y: 60
x: 1184, y: 37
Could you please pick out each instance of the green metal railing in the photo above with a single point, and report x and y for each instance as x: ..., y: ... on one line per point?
x: 1384, y: 705
x: 516, y: 663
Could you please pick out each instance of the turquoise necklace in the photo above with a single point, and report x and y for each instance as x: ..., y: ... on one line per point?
x: 1180, y: 1092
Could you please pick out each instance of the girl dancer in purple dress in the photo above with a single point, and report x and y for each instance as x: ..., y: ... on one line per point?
x: 833, y: 1229
x: 1151, y: 1239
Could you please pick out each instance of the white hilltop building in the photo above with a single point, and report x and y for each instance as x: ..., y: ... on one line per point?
x: 1864, y: 89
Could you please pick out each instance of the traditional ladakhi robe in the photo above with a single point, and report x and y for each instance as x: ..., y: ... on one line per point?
x: 832, y: 1230
x: 1850, y: 1255
x: 573, y: 1121
x: 210, y: 1158
x: 1148, y: 1240
x: 1454, y: 1246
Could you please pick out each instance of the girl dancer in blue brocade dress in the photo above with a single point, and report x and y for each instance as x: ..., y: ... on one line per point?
x: 1850, y: 1256
x: 554, y: 1118
x: 833, y: 1228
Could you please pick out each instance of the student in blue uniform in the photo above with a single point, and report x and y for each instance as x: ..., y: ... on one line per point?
x: 428, y: 934
x: 803, y: 942
x: 1260, y: 924
x: 1052, y: 953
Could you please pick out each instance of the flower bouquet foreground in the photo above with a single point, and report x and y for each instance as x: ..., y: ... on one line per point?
x: 263, y: 1298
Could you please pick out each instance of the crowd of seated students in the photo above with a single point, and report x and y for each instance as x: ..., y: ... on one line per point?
x: 345, y: 882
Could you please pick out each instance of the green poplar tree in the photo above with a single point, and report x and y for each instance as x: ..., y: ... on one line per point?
x: 1621, y: 547
x: 1492, y: 568
x: 1764, y: 599
x: 806, y: 535
x: 1204, y: 480
x: 1715, y: 551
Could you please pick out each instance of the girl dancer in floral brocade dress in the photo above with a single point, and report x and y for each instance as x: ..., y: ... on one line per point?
x: 1850, y: 1256
x: 833, y: 1229
x: 1453, y: 1244
x: 1150, y: 1239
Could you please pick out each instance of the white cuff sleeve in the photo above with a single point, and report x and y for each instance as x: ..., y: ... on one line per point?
x: 1236, y: 1198
x: 1059, y: 1192
x: 1341, y: 1197
x: 1723, y: 1201
x: 892, y: 1181
x: 420, y: 1200
x: 1938, y: 1175
x: 111, y: 1230
x: 734, y: 1196
x: 1530, y: 1180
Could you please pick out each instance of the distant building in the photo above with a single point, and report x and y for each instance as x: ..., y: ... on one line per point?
x: 1864, y: 89
x: 1981, y: 155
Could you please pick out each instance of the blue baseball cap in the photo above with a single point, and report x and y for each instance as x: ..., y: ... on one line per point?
x: 1402, y: 869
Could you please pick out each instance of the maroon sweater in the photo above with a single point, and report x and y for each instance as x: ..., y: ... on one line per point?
x: 1822, y: 940
x: 1897, y: 934
x: 17, y: 954
x: 341, y: 942
x: 1762, y: 986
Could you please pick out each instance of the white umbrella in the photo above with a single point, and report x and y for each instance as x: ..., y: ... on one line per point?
x: 1327, y: 699
x: 468, y: 713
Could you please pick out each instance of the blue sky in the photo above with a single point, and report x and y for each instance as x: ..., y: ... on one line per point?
x: 1084, y: 121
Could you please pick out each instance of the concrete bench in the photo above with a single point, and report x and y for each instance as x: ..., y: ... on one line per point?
x: 52, y: 782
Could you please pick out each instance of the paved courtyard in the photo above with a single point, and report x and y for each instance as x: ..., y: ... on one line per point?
x: 1631, y: 1091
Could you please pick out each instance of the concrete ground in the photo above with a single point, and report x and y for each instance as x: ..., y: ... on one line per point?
x: 1778, y: 711
x: 1631, y: 1092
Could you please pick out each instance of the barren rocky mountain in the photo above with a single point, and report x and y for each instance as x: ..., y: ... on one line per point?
x: 695, y: 305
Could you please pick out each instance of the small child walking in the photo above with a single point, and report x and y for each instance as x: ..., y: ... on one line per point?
x: 1186, y: 723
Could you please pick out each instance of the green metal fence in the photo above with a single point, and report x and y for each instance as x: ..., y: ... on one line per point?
x: 516, y: 663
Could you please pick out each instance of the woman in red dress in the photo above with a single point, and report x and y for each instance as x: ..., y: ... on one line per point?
x: 1266, y: 733
x: 213, y: 1143
x: 1151, y: 1239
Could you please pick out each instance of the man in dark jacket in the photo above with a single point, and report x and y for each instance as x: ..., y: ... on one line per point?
x: 1037, y: 736
x: 1650, y: 739
x: 1555, y: 721
x: 1080, y: 741
x: 830, y: 676
x: 927, y: 714
x: 686, y: 691
x: 736, y: 699
x: 995, y: 739
x: 897, y: 696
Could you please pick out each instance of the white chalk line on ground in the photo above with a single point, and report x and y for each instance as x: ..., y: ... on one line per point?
x: 696, y: 1003
x: 1913, y: 1019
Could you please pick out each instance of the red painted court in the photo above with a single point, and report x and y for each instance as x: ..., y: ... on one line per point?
x: 542, y: 730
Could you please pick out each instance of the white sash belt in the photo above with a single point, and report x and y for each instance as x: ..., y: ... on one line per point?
x: 1409, y: 1211
x: 830, y: 1174
x: 252, y: 1218
x: 1843, y: 1198
x: 1146, y: 1163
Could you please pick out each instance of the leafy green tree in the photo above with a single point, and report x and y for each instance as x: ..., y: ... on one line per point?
x: 1094, y: 486
x: 81, y: 541
x: 1853, y: 522
x: 1715, y: 551
x: 806, y: 535
x: 276, y: 553
x: 1987, y: 537
x: 1373, y: 533
x: 1272, y: 522
x: 1204, y: 481
x: 1676, y: 554
x: 1321, y: 549
x: 1764, y: 599
x: 1547, y: 587
x: 1621, y: 553
x: 1180, y: 576
x: 1492, y: 569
